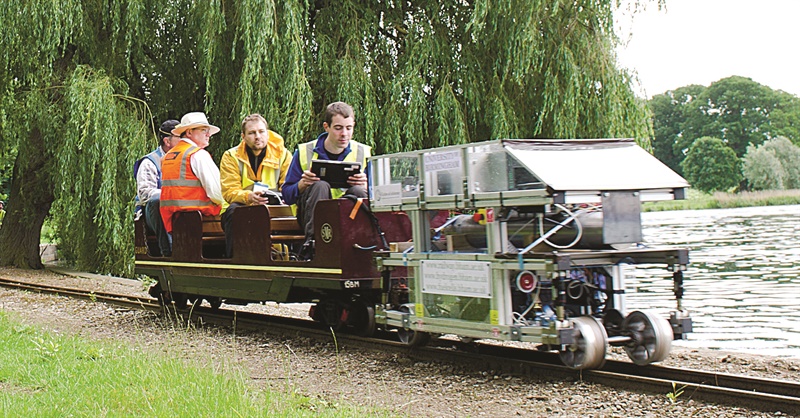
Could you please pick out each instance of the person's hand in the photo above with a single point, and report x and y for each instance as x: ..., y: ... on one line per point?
x: 254, y: 198
x: 359, y: 179
x: 306, y: 180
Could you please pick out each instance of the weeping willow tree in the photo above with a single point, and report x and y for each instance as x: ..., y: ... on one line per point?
x: 83, y: 83
x: 431, y: 73
x: 72, y: 129
x: 419, y: 73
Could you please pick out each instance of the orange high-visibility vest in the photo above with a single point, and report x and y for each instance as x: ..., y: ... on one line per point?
x: 181, y: 190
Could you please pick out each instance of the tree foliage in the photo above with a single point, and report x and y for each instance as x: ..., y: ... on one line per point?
x: 75, y: 75
x: 419, y: 73
x: 72, y: 131
x: 670, y: 144
x: 735, y: 109
x: 711, y: 165
x: 773, y: 165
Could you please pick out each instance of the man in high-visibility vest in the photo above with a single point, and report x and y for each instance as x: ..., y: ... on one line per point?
x: 189, y: 177
x: 304, y: 188
x: 147, y: 171
x: 260, y: 160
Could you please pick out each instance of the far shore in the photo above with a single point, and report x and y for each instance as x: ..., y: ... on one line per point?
x: 719, y: 200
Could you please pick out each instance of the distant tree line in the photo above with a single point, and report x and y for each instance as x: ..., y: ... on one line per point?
x: 733, y: 134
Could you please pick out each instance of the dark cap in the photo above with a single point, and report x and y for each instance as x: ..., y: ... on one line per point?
x: 167, y: 127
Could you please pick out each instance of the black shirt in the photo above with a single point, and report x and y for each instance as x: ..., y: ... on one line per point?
x: 334, y: 157
x: 255, y: 160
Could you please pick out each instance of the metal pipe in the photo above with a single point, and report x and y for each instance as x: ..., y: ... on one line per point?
x: 523, y: 232
x: 677, y: 286
x: 619, y: 340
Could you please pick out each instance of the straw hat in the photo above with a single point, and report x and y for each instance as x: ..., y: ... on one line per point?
x: 193, y: 120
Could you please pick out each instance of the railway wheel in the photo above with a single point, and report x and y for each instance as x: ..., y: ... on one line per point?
x: 215, y: 302
x: 410, y: 337
x: 651, y: 337
x: 195, y: 302
x: 164, y: 297
x: 179, y: 300
x: 362, y: 318
x: 330, y: 313
x: 588, y: 351
x: 157, y: 292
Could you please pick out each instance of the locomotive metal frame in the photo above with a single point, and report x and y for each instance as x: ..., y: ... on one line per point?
x: 490, y: 178
x: 341, y: 278
x: 417, y: 285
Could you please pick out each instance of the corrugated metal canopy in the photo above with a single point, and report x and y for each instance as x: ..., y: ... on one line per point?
x: 597, y: 164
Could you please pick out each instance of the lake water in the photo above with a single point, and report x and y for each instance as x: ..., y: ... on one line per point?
x: 743, y: 282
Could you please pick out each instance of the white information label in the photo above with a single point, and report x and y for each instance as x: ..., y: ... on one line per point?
x: 387, y: 194
x: 457, y: 278
x: 442, y: 161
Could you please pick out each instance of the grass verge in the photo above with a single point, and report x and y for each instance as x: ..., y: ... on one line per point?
x: 719, y: 200
x: 47, y: 375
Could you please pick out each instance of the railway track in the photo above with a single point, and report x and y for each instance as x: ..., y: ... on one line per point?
x: 116, y: 299
x: 763, y: 394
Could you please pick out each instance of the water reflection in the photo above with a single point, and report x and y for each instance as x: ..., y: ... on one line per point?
x: 743, y: 284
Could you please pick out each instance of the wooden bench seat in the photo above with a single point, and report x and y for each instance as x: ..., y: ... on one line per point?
x: 283, y: 230
x: 280, y: 211
x: 288, y: 238
x: 283, y: 221
x: 283, y: 225
x: 212, y: 226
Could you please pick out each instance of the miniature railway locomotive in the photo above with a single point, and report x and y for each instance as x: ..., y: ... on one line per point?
x: 515, y: 240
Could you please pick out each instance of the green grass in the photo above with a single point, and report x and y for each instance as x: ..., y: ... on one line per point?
x: 47, y: 375
x: 719, y: 200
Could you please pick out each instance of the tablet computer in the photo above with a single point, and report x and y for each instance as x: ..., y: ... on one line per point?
x: 335, y: 172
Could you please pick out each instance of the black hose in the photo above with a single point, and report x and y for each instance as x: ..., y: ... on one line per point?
x: 373, y: 218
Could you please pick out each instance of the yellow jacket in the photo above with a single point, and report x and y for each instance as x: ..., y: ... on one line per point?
x: 236, y: 173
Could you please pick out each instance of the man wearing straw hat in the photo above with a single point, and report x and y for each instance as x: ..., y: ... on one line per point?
x: 190, y: 179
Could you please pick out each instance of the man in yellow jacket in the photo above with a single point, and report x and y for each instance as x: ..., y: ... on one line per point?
x: 260, y: 158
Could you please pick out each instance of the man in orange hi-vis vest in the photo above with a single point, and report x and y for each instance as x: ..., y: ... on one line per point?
x: 189, y: 177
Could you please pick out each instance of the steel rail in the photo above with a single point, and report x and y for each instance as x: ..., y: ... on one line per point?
x: 708, y: 378
x: 738, y: 390
x: 117, y: 299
